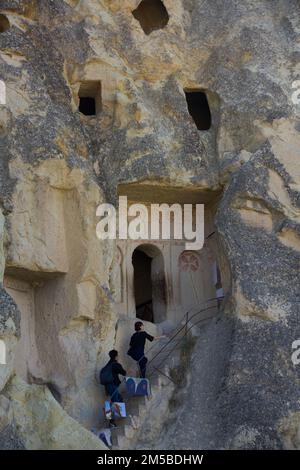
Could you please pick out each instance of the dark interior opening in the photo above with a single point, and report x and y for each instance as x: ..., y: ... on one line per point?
x: 142, y: 285
x: 87, y: 106
x: 4, y: 23
x: 90, y: 97
x: 199, y: 109
x: 152, y: 15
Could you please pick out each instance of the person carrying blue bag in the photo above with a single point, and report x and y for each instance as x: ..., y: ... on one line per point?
x: 109, y: 377
x: 137, y: 346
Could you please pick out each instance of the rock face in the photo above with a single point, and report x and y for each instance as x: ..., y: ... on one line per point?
x: 42, y: 424
x: 9, y: 322
x: 61, y: 156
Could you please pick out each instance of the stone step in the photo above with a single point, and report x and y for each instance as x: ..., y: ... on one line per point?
x: 119, y: 440
x: 137, y: 408
x: 132, y: 408
x: 125, y: 432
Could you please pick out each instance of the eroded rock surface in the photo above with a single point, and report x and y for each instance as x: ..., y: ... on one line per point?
x: 58, y: 164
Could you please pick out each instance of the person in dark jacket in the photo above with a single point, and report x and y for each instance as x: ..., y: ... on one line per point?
x: 137, y: 346
x: 112, y: 389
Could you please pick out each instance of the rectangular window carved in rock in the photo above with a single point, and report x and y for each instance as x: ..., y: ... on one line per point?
x: 198, y: 108
x: 90, y: 101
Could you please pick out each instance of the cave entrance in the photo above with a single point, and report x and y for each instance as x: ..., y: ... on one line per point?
x: 198, y: 108
x: 152, y: 15
x: 149, y: 283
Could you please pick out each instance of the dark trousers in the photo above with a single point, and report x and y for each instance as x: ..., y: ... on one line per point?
x: 142, y: 365
x: 115, y: 396
x: 113, y: 392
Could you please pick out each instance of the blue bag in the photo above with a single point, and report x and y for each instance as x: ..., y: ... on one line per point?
x: 137, y: 387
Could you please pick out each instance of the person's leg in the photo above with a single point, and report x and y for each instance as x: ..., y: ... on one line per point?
x: 117, y: 397
x: 112, y: 391
x: 112, y: 423
x: 142, y: 364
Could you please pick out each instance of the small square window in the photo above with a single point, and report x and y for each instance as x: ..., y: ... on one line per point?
x: 90, y: 101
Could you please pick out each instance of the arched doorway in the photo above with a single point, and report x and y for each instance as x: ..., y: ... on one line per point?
x: 149, y: 283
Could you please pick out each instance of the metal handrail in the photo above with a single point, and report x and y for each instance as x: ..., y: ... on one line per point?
x: 180, y: 322
x: 185, y: 326
x: 182, y: 327
x: 180, y: 339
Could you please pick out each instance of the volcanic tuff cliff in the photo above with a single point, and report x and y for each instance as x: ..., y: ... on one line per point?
x: 57, y: 165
